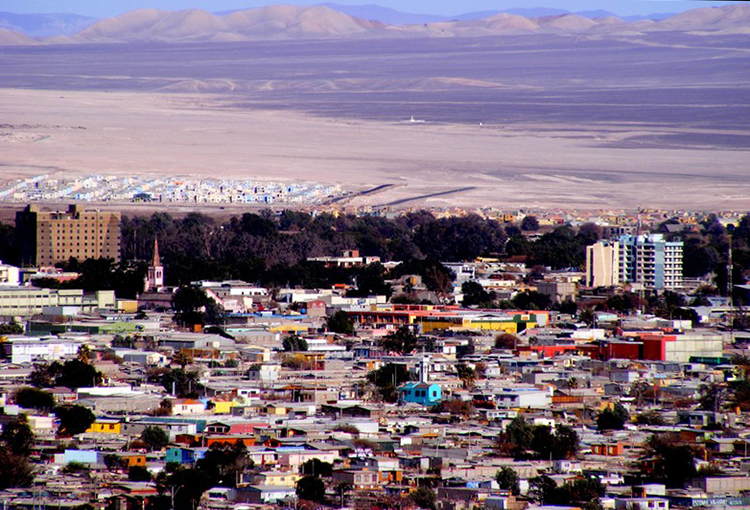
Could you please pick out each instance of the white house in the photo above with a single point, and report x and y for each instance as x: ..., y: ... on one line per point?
x: 523, y: 397
x: 187, y: 406
x: 265, y: 372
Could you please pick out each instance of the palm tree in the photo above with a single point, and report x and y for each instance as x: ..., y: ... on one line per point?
x: 587, y: 316
x: 84, y: 354
x: 341, y: 490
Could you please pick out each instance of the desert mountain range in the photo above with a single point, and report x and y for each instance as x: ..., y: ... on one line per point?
x: 292, y: 22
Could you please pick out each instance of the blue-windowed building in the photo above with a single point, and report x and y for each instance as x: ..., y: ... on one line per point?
x: 184, y: 455
x: 426, y: 394
x: 650, y: 261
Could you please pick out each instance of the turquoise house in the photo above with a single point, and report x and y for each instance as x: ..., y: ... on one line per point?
x: 422, y: 393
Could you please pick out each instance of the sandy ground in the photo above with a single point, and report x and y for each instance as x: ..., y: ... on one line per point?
x: 532, y: 165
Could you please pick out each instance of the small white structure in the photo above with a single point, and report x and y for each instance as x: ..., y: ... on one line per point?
x: 264, y: 372
x: 641, y: 504
x: 25, y: 350
x: 9, y: 275
x: 185, y: 406
x: 523, y: 397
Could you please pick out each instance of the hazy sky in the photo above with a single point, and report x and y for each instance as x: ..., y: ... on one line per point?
x: 102, y: 8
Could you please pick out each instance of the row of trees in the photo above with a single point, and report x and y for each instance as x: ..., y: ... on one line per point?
x: 523, y: 440
x: 271, y: 249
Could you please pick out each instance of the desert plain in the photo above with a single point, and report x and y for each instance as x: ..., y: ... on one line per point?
x: 655, y: 120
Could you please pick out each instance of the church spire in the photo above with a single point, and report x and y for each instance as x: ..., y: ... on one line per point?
x: 156, y: 261
x: 155, y: 274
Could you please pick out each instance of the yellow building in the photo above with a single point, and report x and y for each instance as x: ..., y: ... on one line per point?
x: 127, y: 305
x: 290, y: 328
x: 222, y: 406
x: 274, y: 410
x: 277, y: 478
x: 105, y: 426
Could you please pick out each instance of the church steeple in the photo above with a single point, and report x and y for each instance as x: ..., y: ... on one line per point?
x: 155, y: 275
x: 156, y: 261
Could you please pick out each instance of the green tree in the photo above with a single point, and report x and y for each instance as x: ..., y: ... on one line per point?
x: 76, y: 374
x: 84, y: 354
x: 518, y: 436
x: 11, y: 328
x: 341, y: 490
x: 587, y: 316
x: 467, y: 375
x: 649, y: 418
x: 388, y: 378
x: 184, y: 486
x: 74, y: 419
x: 424, y: 497
x: 139, y: 474
x: 402, y: 341
x: 474, y: 294
x: 155, y: 438
x: 113, y: 462
x: 542, y: 489
x: 712, y: 397
x: 585, y: 491
x: 668, y: 460
x: 294, y: 343
x: 18, y: 437
x: 15, y: 470
x: 612, y: 418
x: 623, y: 303
x: 182, y: 383
x: 506, y: 341
x: 370, y: 281
x: 562, y: 444
x: 181, y: 359
x: 193, y: 306
x: 340, y: 322
x: 43, y: 375
x: 33, y: 398
x: 76, y: 467
x: 532, y: 300
x: 316, y: 467
x: 566, y: 443
x: 507, y: 479
x: 223, y: 464
x: 529, y: 224
x: 311, y: 488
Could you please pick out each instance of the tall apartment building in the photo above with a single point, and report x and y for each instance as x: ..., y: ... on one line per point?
x: 646, y: 261
x: 651, y: 261
x: 603, y: 264
x: 46, y: 238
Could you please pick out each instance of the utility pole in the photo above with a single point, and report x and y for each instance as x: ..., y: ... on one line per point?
x: 729, y: 273
x: 730, y: 287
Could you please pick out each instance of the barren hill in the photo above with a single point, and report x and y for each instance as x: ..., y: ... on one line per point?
x: 709, y: 19
x: 194, y: 25
x: 567, y: 23
x: 10, y: 38
x: 293, y: 22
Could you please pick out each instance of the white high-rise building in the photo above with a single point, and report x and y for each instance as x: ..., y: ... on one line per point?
x: 651, y: 262
x: 603, y: 264
x: 647, y: 262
